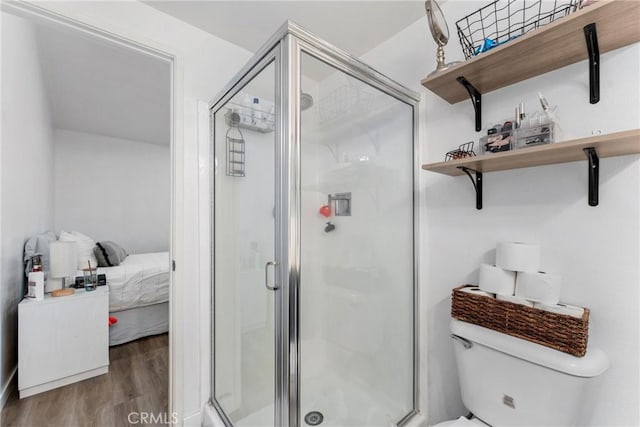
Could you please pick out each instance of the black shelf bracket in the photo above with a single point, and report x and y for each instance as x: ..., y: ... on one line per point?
x: 591, y: 36
x: 594, y: 174
x: 476, y: 100
x: 477, y: 184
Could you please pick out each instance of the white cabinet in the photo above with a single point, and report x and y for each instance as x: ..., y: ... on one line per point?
x: 62, y: 340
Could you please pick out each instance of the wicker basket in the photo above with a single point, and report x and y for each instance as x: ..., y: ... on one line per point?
x: 561, y: 332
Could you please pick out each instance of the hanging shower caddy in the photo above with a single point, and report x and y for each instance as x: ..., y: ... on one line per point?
x: 235, y: 146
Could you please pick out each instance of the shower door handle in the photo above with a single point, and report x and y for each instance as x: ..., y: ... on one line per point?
x: 275, y: 286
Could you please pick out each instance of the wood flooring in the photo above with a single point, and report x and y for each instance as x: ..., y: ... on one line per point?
x: 137, y: 381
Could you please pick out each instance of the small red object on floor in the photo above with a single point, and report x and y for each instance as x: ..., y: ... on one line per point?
x: 112, y: 320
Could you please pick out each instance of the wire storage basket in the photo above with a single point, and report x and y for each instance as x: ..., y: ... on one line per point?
x: 504, y: 20
x: 344, y: 101
x: 464, y: 150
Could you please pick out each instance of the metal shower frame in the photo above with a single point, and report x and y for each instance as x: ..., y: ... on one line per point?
x: 284, y: 49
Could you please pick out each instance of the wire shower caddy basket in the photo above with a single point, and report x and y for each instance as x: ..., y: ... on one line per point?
x: 343, y: 101
x: 503, y: 20
x: 235, y: 146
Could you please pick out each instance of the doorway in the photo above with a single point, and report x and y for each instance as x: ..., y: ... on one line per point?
x: 108, y: 104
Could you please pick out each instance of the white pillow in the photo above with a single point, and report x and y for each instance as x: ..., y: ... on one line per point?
x: 85, y: 248
x: 81, y: 236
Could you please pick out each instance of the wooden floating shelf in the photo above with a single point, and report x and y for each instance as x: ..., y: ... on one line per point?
x: 591, y: 149
x: 611, y: 145
x: 548, y: 48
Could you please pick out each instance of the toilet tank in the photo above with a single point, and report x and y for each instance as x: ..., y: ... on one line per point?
x: 507, y: 381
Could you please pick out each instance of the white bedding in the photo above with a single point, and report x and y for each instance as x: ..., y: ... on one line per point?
x: 140, y: 280
x: 139, y: 322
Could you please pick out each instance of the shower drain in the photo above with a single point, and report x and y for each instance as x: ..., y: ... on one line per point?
x: 314, y: 418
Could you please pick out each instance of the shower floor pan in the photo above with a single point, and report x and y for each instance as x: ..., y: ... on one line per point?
x: 342, y: 404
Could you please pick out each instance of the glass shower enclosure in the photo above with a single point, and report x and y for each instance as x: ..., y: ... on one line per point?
x: 314, y: 315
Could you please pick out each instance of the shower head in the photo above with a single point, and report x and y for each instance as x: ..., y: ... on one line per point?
x: 306, y: 101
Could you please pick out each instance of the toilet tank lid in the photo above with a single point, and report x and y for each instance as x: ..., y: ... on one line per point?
x: 594, y: 363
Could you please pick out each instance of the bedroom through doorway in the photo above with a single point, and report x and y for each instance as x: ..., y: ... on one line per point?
x: 102, y: 158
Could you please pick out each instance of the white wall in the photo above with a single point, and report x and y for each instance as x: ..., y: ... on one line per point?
x: 26, y: 173
x: 595, y: 249
x: 204, y: 65
x: 112, y: 189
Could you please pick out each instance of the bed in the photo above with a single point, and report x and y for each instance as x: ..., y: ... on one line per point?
x: 138, y: 296
x: 138, y: 286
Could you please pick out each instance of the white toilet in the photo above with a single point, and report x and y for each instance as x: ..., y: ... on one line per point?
x: 506, y: 381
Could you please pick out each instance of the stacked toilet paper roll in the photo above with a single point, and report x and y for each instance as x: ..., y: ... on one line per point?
x: 515, y: 300
x: 569, y: 310
x: 518, y: 256
x: 477, y: 291
x: 500, y: 279
x: 516, y: 278
x: 539, y: 287
x: 497, y: 280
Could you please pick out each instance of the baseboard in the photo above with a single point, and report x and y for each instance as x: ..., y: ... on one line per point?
x: 40, y: 388
x: 8, y: 387
x: 192, y: 420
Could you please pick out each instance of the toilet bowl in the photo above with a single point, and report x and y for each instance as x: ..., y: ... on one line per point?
x: 462, y: 422
x: 506, y: 381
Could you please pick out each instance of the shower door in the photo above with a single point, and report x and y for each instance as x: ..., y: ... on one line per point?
x: 244, y: 249
x: 356, y: 290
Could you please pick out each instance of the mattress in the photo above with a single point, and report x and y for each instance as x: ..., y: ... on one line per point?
x: 140, y: 280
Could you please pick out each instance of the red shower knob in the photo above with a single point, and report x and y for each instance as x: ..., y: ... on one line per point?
x: 325, y: 211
